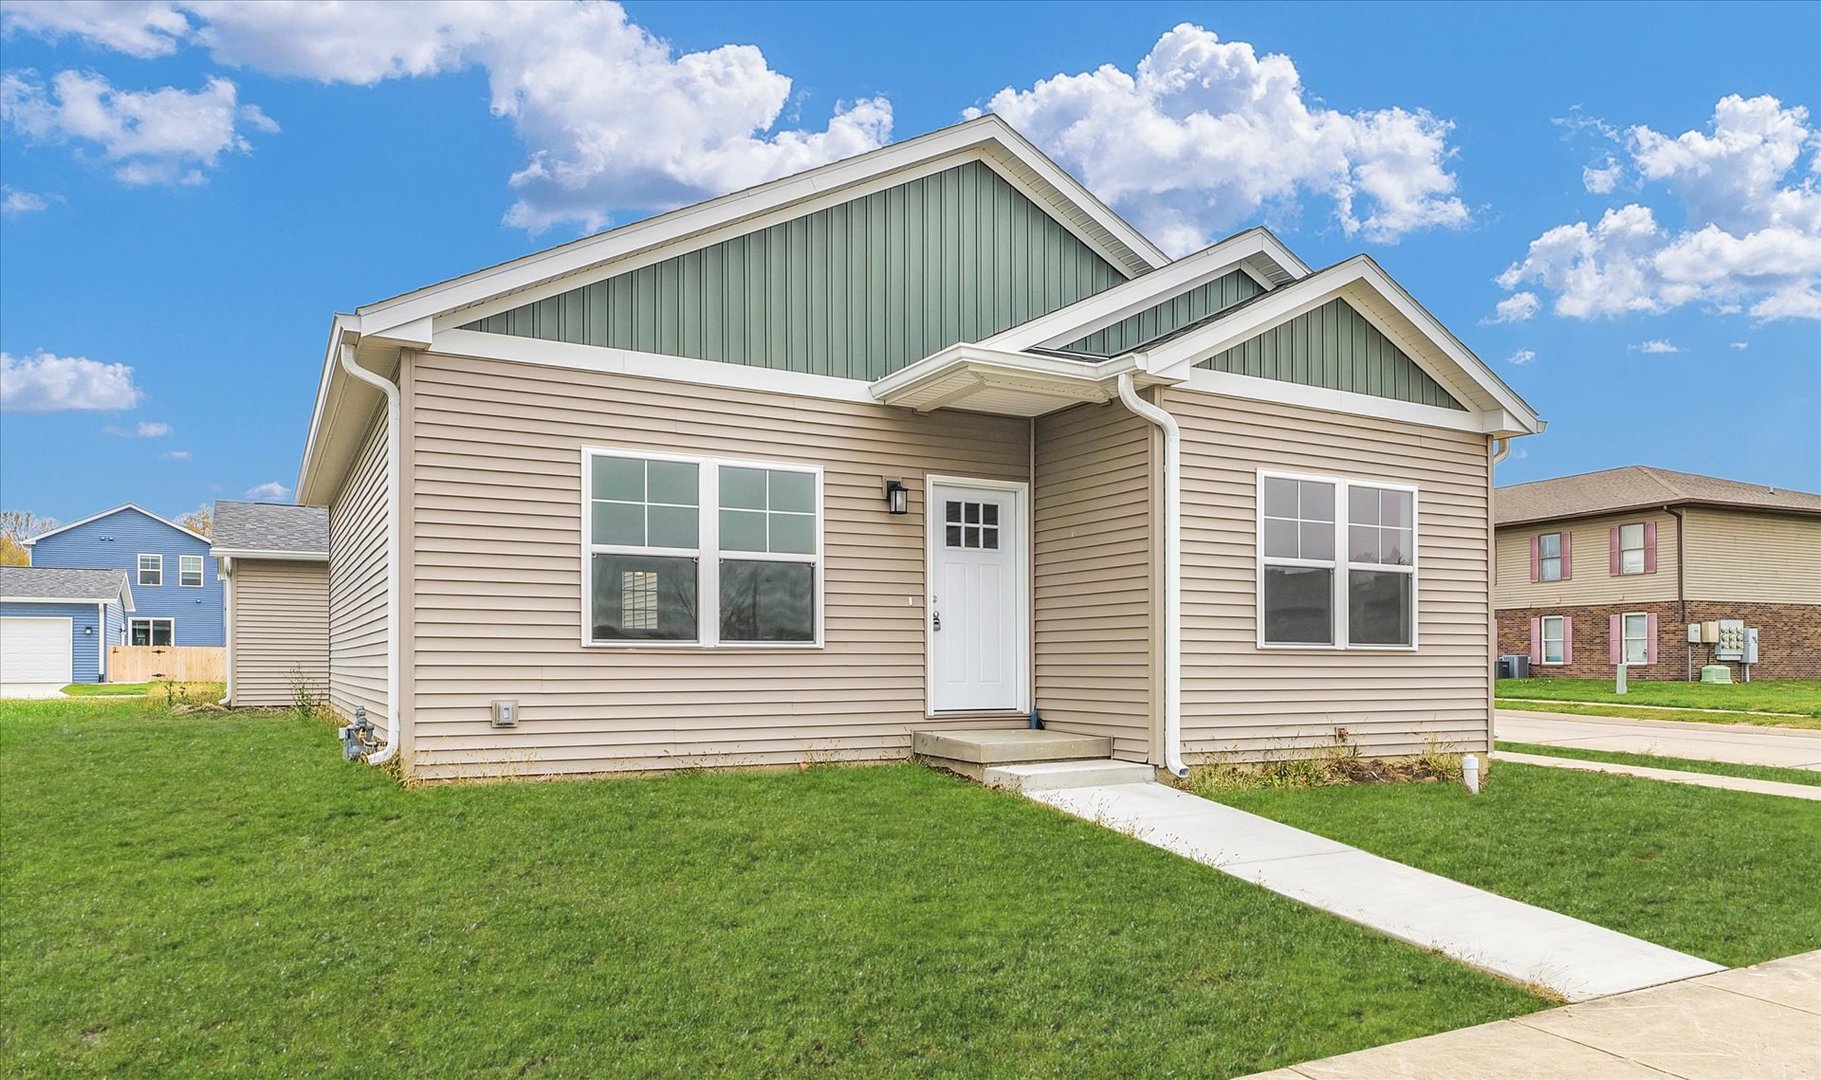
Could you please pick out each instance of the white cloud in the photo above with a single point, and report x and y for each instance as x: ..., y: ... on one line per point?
x: 1518, y: 307
x: 14, y: 201
x: 1656, y: 346
x: 1521, y: 357
x: 175, y: 455
x: 270, y: 491
x: 47, y: 383
x: 1601, y: 180
x: 1741, y: 344
x: 1206, y: 134
x: 613, y: 118
x: 145, y: 429
x: 144, y: 29
x: 1752, y: 238
x: 162, y: 136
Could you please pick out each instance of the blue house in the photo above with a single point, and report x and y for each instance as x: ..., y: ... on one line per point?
x: 56, y: 624
x: 176, y: 590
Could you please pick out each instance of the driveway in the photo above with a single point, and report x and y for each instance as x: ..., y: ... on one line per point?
x: 1739, y: 743
x: 31, y: 691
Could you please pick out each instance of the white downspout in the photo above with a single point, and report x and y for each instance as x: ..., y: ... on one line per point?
x: 226, y: 573
x: 1172, y: 571
x: 386, y: 386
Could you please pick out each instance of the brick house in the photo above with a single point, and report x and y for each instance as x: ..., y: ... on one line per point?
x: 1617, y: 563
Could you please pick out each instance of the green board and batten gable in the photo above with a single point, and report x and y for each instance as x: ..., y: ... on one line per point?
x: 1334, y: 347
x: 857, y: 290
x: 1170, y: 315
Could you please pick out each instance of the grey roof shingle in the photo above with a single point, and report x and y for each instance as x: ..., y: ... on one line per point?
x: 242, y: 526
x: 61, y: 583
x: 1634, y: 487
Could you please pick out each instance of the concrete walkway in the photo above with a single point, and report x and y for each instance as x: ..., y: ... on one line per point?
x: 1576, y: 959
x: 1729, y: 783
x: 1755, y: 1023
x: 30, y: 691
x: 1790, y: 748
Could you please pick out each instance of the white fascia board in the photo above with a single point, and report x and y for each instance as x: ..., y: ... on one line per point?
x: 1177, y: 355
x: 581, y: 255
x: 1254, y: 388
x: 944, y: 362
x: 111, y: 513
x: 260, y: 553
x: 1109, y: 306
x: 337, y: 328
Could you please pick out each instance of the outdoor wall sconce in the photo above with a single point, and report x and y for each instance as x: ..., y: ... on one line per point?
x: 88, y: 630
x: 897, y: 497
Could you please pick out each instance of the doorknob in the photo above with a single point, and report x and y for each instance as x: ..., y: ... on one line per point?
x: 935, y: 620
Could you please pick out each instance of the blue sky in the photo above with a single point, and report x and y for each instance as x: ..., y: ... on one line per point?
x: 192, y: 194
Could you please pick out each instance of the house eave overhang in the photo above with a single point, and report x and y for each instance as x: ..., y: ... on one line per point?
x: 256, y: 554
x: 972, y: 378
x: 1658, y: 504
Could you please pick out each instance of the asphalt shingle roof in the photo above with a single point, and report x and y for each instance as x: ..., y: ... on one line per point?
x: 1636, y: 486
x: 61, y: 583
x: 241, y: 526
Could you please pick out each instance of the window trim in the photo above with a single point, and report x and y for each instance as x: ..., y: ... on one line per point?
x: 153, y: 619
x: 1542, y: 559
x: 1542, y: 641
x: 1340, y: 564
x: 707, y: 552
x: 1642, y: 549
x: 139, y: 580
x: 202, y: 569
x: 1625, y: 638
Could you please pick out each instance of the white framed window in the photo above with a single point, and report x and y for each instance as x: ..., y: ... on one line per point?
x: 1636, y: 629
x: 1549, y: 557
x: 151, y: 570
x: 1336, y: 563
x: 1555, y: 637
x: 1631, y: 548
x: 688, y: 551
x: 189, y: 571
x: 148, y: 631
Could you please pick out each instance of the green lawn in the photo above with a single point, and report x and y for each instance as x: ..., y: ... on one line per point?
x: 1724, y: 875
x: 220, y: 892
x: 1802, y: 696
x: 1684, y: 716
x: 1714, y: 768
x: 199, y: 692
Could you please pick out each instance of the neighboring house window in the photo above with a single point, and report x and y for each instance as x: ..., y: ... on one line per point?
x: 1554, y: 639
x: 1637, y: 638
x: 1314, y: 591
x: 1550, y: 557
x: 697, y: 551
x: 151, y: 570
x: 189, y: 571
x: 150, y: 631
x: 1634, y: 548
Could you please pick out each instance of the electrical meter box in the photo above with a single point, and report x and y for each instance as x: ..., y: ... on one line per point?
x: 1751, y: 645
x: 1731, y: 645
x: 1694, y: 633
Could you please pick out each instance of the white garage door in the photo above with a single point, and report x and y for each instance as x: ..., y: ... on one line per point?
x: 35, y: 650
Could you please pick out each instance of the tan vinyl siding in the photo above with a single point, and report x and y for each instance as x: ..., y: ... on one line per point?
x: 280, y: 630
x: 357, y: 584
x: 1593, y: 581
x: 1758, y: 558
x: 1092, y: 598
x: 1241, y: 700
x: 497, y: 585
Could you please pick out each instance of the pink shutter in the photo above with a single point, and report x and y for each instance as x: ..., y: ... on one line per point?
x: 1567, y: 555
x: 1650, y: 656
x: 1536, y: 641
x: 1650, y: 547
x: 1536, y: 559
x: 1612, y: 549
x: 1615, y: 634
x: 1568, y: 639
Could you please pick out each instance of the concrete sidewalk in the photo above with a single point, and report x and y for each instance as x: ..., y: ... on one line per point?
x: 1576, y: 959
x: 30, y: 691
x: 1790, y: 748
x: 1672, y: 776
x: 1755, y: 1023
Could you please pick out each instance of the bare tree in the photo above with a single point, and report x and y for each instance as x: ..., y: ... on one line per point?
x: 16, y: 527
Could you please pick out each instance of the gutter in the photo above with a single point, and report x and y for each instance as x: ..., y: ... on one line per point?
x: 389, y: 749
x: 225, y: 569
x: 1172, y: 570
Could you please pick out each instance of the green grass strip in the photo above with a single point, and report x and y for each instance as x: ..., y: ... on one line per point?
x: 1693, y: 765
x: 1681, y: 716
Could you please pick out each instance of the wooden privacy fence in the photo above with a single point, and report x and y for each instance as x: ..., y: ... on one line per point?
x: 177, y: 663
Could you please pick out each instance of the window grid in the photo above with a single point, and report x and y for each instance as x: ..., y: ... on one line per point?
x: 145, y: 630
x: 189, y: 571
x: 1297, y: 535
x: 151, y: 570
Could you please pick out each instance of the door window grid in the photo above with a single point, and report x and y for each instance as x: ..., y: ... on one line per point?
x: 970, y: 524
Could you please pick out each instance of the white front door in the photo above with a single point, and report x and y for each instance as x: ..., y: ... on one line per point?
x: 977, y: 593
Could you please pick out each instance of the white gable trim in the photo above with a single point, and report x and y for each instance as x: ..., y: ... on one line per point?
x: 1175, y: 356
x: 111, y: 513
x: 1110, y: 306
x: 987, y: 139
x: 1254, y: 388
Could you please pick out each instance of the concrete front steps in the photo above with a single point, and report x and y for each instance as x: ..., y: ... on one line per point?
x: 1022, y: 759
